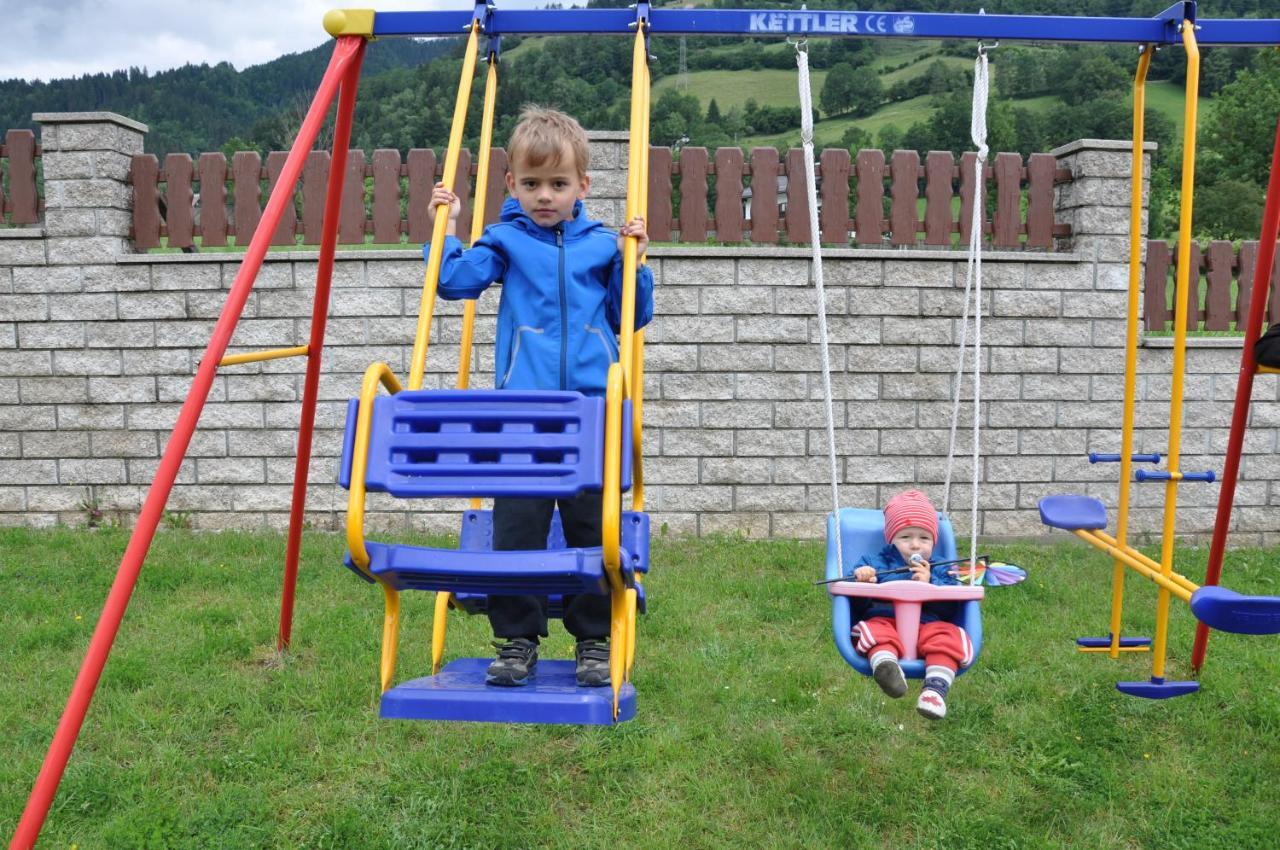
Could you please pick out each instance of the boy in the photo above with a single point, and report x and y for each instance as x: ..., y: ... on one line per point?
x: 910, y: 530
x: 558, y: 318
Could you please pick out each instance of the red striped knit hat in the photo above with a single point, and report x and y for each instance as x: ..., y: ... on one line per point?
x: 908, y: 509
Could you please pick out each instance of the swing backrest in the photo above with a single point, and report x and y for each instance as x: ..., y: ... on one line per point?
x: 861, y: 531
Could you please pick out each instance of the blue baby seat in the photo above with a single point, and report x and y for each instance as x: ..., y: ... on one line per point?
x: 544, y: 444
x: 862, y: 531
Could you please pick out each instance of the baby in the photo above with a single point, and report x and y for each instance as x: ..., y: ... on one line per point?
x: 910, y: 532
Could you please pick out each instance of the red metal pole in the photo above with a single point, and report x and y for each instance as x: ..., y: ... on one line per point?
x: 104, y: 634
x: 319, y: 314
x: 1244, y: 389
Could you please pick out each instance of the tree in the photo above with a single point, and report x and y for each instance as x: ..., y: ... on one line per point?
x: 1089, y: 78
x: 713, y: 113
x: 865, y: 91
x: 1238, y: 137
x: 835, y: 95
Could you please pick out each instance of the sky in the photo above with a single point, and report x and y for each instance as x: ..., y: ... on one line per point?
x: 50, y: 39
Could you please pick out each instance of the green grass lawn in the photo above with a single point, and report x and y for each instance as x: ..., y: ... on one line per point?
x: 752, y: 732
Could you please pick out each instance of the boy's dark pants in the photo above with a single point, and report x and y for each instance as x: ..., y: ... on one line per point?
x: 523, y: 524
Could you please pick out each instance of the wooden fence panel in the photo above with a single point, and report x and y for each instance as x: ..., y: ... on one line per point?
x: 968, y: 191
x: 939, y: 170
x: 422, y: 177
x: 905, y: 189
x: 1155, y: 299
x: 386, y: 196
x: 1196, y: 314
x: 797, y: 218
x: 1007, y: 221
x: 729, y: 215
x: 315, y: 184
x: 24, y: 202
x: 837, y: 167
x: 497, y: 185
x: 179, y: 200
x: 145, y: 171
x: 212, y: 168
x: 1041, y: 171
x: 658, y: 216
x: 351, y: 207
x: 693, y: 221
x: 764, y: 195
x: 287, y: 227
x: 1247, y: 266
x: 868, y: 214
x: 1217, y: 299
x: 245, y: 168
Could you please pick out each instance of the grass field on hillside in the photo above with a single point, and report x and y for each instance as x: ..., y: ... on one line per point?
x: 752, y: 732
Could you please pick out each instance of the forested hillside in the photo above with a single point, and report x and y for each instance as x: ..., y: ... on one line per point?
x: 887, y: 93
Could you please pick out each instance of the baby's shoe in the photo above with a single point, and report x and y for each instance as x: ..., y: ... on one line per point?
x: 933, y: 699
x: 888, y: 674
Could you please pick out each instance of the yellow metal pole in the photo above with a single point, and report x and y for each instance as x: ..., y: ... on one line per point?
x: 256, y: 356
x: 1182, y: 317
x: 1131, y: 343
x: 477, y: 219
x: 1178, y: 578
x: 1166, y: 583
x: 432, y: 278
x: 637, y: 367
x: 634, y: 170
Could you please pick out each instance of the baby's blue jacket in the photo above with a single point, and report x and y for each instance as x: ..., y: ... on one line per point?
x: 888, y: 559
x: 561, y: 305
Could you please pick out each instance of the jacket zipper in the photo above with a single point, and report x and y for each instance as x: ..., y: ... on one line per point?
x: 564, y: 312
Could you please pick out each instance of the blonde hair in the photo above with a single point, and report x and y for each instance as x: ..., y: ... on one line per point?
x: 541, y: 136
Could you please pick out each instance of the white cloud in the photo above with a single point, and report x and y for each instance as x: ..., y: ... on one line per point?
x: 48, y: 39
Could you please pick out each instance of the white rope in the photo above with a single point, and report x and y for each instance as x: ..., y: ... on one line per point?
x: 806, y: 136
x: 973, y: 282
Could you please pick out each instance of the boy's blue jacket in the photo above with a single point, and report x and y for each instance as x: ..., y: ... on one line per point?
x: 561, y: 303
x: 890, y: 559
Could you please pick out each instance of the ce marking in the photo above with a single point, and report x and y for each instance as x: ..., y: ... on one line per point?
x: 877, y: 23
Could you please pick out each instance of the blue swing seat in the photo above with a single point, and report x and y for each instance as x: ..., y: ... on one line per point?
x: 534, y: 444
x: 862, y: 530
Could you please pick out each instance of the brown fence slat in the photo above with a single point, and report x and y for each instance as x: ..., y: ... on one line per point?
x: 905, y: 189
x: 145, y: 174
x: 179, y: 200
x: 764, y: 195
x: 693, y: 222
x: 837, y: 166
x: 497, y: 191
x: 422, y: 176
x: 870, y: 209
x: 246, y: 166
x: 287, y: 226
x: 1248, y: 260
x: 462, y: 188
x: 315, y: 182
x: 658, y: 216
x: 1155, y: 297
x: 1217, y: 298
x: 967, y: 192
x: 24, y: 203
x: 386, y: 196
x: 351, y: 208
x: 1273, y: 299
x: 1196, y: 315
x: 797, y: 217
x: 938, y: 192
x: 729, y: 215
x: 1041, y: 168
x: 1007, y: 221
x: 212, y: 168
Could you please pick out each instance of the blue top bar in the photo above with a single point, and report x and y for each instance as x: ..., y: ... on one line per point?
x: 1162, y: 29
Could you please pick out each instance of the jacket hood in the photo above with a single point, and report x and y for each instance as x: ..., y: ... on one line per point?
x: 513, y: 213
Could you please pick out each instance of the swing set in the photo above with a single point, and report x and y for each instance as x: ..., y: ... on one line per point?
x: 417, y: 443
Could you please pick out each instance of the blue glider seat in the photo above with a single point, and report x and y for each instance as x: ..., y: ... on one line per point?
x: 1228, y: 611
x: 540, y: 572
x: 458, y: 692
x: 1072, y: 512
x: 861, y: 531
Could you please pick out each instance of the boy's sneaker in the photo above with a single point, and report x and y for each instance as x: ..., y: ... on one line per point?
x: 516, y: 662
x: 888, y: 675
x: 593, y: 663
x: 931, y: 704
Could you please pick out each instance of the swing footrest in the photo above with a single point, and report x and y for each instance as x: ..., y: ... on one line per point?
x: 459, y: 692
x: 540, y: 572
x: 478, y: 603
x: 1228, y: 611
x: 1157, y: 688
x: 1105, y: 642
x: 1072, y: 512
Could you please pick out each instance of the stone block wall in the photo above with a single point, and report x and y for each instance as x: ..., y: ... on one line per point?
x: 98, y: 347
